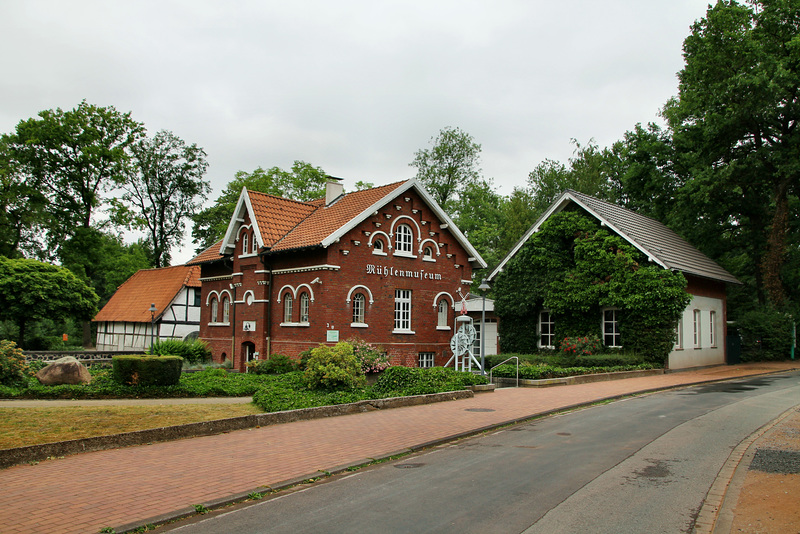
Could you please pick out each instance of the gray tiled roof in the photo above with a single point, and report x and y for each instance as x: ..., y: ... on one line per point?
x: 660, y: 243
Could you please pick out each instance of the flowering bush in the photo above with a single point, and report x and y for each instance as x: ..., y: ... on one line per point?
x: 12, y: 364
x: 371, y: 358
x: 580, y: 346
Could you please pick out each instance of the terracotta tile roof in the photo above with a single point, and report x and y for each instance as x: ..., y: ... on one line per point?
x: 277, y: 216
x: 131, y: 302
x: 325, y: 220
x: 208, y: 255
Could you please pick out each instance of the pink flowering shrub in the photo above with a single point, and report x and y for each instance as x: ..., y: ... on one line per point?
x: 372, y: 359
x: 580, y: 346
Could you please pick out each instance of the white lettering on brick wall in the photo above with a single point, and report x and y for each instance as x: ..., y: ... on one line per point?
x: 385, y: 271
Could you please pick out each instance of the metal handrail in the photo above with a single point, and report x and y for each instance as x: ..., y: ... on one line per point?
x: 501, y: 363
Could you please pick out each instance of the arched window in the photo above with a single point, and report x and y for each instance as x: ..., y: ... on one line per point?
x: 245, y: 243
x: 428, y: 253
x: 226, y: 309
x: 214, y: 310
x: 359, y: 303
x: 303, y: 307
x: 255, y: 244
x: 442, y: 313
x: 403, y: 239
x: 377, y: 246
x: 287, y: 308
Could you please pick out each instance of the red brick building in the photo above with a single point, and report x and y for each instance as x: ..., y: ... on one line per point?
x: 385, y: 264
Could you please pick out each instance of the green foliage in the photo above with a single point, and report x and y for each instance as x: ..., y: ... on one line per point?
x: 147, y: 370
x: 766, y: 335
x: 166, y: 188
x: 574, y: 268
x: 31, y: 290
x: 416, y: 381
x: 13, y: 369
x: 372, y: 359
x: 195, y: 351
x: 73, y: 157
x: 731, y: 128
x: 276, y: 364
x: 333, y: 368
x: 543, y: 371
x: 452, y: 162
x: 303, y: 182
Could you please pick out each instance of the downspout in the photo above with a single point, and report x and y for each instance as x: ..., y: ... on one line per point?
x: 269, y: 307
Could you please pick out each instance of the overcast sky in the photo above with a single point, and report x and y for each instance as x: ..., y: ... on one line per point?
x: 354, y: 87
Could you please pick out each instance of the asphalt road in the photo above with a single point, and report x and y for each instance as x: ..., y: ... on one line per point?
x: 643, y: 464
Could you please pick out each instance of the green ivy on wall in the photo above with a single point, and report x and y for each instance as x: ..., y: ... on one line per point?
x: 574, y: 268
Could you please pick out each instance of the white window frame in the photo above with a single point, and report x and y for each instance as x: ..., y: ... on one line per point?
x: 441, y: 314
x: 426, y: 360
x: 697, y: 340
x: 254, y: 246
x: 287, y: 307
x: 226, y: 310
x: 679, y: 334
x: 214, y: 309
x: 403, y: 240
x: 551, y: 327
x: 304, y: 308
x: 359, y: 310
x: 245, y: 244
x: 402, y: 312
x: 616, y: 338
x: 712, y: 329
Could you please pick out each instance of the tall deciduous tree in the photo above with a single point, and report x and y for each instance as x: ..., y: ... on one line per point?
x: 22, y: 208
x: 303, y: 182
x: 735, y: 122
x: 165, y: 188
x: 449, y: 166
x: 31, y: 290
x: 74, y: 157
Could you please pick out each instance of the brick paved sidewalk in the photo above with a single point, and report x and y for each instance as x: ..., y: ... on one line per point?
x: 86, y: 492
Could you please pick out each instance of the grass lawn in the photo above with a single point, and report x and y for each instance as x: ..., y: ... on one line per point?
x: 20, y: 427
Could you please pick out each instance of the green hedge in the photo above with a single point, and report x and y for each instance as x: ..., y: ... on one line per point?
x: 147, y: 370
x: 543, y: 371
x: 196, y: 351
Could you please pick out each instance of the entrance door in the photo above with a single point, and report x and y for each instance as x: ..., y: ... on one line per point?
x: 249, y: 352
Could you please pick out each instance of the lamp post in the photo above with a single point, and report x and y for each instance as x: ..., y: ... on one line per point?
x: 153, y: 310
x: 484, y: 287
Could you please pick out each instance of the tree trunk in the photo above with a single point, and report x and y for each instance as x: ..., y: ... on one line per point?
x: 776, y: 247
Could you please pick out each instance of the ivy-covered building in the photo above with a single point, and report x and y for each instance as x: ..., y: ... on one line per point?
x: 589, y: 267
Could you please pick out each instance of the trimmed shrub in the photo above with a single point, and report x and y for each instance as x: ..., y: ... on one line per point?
x: 196, y: 351
x: 277, y: 364
x: 416, y: 381
x: 147, y: 370
x: 334, y: 368
x: 13, y: 369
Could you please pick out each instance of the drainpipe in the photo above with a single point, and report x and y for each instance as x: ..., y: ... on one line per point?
x: 269, y: 307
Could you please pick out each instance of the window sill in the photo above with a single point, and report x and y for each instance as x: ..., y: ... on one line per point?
x: 379, y: 253
x: 429, y: 259
x: 403, y: 332
x: 404, y: 255
x: 358, y: 325
x: 219, y: 324
x: 296, y: 324
x: 442, y: 328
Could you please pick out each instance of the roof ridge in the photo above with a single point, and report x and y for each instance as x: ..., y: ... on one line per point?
x: 278, y: 197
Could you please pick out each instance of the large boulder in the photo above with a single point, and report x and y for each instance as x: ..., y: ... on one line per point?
x: 66, y: 370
